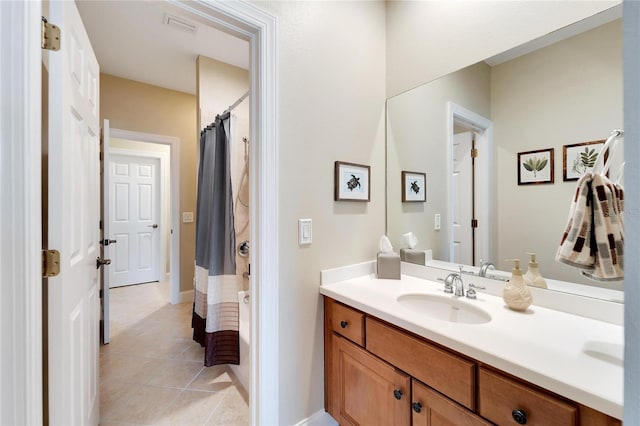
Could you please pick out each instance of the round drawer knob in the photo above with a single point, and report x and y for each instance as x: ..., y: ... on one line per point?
x: 343, y: 324
x: 417, y: 407
x: 397, y: 393
x: 519, y: 416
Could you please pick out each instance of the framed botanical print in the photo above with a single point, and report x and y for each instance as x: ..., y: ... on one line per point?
x: 579, y: 158
x: 535, y: 167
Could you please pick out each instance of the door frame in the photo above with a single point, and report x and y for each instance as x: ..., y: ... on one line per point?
x: 21, y: 384
x: 484, y: 174
x: 21, y: 65
x: 175, y: 295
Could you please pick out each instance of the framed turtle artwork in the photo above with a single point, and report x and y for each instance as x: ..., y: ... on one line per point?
x: 414, y: 187
x: 351, y: 182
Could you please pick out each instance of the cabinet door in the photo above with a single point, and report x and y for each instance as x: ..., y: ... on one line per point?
x: 429, y: 408
x: 368, y: 391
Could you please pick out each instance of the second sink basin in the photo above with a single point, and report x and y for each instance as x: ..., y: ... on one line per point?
x: 444, y: 308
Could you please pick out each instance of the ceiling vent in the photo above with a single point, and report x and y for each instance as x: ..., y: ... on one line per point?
x: 179, y: 23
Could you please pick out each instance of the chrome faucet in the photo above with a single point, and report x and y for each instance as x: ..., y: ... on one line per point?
x: 485, y: 266
x: 454, y: 280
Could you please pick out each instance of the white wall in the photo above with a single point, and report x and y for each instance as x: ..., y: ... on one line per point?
x: 417, y: 135
x: 428, y: 39
x: 331, y: 96
x: 567, y: 93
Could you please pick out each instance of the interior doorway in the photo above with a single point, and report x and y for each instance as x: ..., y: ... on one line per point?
x: 166, y: 149
x: 470, y: 186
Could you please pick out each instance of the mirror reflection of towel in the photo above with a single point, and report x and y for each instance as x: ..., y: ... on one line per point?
x: 594, y: 236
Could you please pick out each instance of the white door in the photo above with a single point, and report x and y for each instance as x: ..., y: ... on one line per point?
x: 73, y: 215
x: 462, y: 199
x: 134, y: 219
x: 106, y: 232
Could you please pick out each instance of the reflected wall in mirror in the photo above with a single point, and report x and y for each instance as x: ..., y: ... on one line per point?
x: 565, y: 93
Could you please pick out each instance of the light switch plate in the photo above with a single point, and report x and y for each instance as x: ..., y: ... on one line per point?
x: 187, y: 217
x: 304, y: 231
x: 436, y: 220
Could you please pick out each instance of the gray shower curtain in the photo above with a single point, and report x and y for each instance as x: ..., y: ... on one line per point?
x: 215, y: 311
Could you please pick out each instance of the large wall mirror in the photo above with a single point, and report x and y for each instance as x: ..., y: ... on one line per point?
x: 564, y: 89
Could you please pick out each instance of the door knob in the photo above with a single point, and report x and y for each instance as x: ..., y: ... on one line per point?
x: 107, y: 241
x: 100, y: 262
x: 154, y: 226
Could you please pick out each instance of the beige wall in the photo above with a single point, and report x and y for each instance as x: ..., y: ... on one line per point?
x: 139, y: 107
x: 429, y: 39
x: 567, y: 93
x: 331, y: 95
x: 417, y: 141
x: 220, y: 85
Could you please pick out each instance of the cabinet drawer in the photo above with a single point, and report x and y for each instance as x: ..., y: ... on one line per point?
x: 345, y: 321
x: 500, y: 398
x: 447, y: 373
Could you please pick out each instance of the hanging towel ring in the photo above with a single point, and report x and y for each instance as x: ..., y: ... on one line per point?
x: 610, y: 145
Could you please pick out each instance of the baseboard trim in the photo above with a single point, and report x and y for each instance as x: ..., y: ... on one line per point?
x: 186, y: 296
x: 319, y: 418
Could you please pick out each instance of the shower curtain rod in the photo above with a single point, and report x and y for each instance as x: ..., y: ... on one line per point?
x: 235, y: 104
x: 238, y: 102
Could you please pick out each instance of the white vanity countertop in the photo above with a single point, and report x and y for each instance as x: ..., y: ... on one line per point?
x: 576, y: 357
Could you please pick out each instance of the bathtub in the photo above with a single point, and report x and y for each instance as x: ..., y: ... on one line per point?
x: 243, y: 371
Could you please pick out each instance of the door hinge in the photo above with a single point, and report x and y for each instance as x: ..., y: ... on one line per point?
x: 474, y: 223
x: 50, y: 263
x: 50, y: 36
x: 474, y: 152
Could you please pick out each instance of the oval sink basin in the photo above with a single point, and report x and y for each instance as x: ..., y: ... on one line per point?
x: 444, y: 308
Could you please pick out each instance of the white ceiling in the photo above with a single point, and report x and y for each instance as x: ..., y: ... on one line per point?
x: 131, y: 41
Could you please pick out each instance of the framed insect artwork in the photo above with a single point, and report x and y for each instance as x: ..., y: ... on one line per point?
x: 351, y: 182
x: 414, y: 187
x: 535, y: 167
x: 579, y: 158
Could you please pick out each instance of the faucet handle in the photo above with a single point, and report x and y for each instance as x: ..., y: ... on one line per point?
x: 448, y: 282
x: 471, y: 292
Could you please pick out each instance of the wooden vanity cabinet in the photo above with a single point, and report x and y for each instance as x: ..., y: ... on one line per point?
x: 379, y: 374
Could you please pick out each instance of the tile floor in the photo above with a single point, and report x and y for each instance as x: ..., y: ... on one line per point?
x: 151, y: 372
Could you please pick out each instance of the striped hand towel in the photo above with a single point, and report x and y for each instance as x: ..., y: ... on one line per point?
x: 594, y: 237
